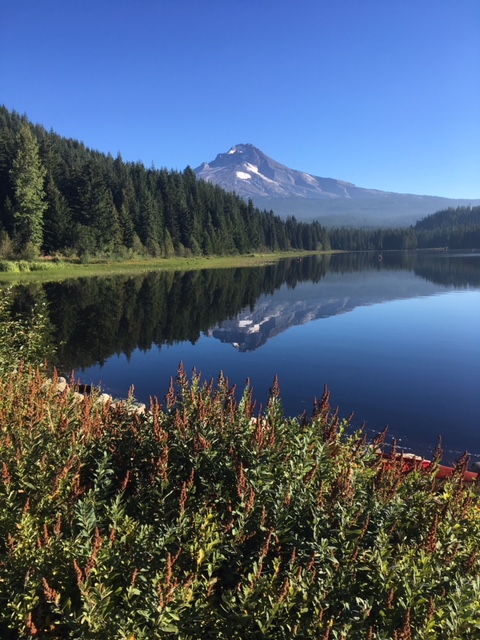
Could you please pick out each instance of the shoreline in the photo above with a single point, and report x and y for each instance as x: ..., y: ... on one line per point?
x: 45, y: 270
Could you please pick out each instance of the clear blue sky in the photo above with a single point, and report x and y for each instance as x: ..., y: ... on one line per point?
x: 382, y: 93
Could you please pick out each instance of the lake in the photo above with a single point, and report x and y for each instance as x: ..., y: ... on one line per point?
x: 395, y: 337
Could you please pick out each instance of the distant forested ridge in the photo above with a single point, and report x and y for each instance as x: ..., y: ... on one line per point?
x: 452, y: 228
x: 457, y: 228
x: 58, y: 196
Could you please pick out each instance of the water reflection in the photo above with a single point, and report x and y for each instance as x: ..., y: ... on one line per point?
x: 95, y: 318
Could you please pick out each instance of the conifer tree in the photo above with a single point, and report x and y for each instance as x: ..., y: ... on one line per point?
x: 57, y: 229
x: 28, y: 176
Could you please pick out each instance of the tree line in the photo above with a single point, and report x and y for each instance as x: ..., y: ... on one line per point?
x: 58, y: 197
x: 452, y: 228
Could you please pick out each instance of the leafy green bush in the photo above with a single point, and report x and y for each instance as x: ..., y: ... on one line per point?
x: 26, y: 265
x: 201, y: 520
x: 46, y: 266
x: 9, y: 266
x: 23, y: 339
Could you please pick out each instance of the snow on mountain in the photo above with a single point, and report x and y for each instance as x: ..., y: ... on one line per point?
x: 248, y: 171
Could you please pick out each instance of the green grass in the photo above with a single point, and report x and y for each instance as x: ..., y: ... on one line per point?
x: 43, y: 270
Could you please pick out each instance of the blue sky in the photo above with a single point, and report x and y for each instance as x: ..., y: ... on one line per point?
x: 384, y: 94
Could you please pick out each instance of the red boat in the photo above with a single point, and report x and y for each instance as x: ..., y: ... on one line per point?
x: 412, y: 462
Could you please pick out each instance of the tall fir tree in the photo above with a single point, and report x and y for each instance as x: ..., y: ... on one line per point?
x: 58, y: 227
x: 28, y: 177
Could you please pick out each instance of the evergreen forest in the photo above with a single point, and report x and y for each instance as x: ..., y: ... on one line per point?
x: 60, y: 198
x: 452, y: 228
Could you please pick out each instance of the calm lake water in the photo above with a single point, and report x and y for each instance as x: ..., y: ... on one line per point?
x: 396, y: 339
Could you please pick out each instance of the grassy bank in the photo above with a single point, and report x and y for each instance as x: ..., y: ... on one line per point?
x: 200, y: 519
x: 47, y: 270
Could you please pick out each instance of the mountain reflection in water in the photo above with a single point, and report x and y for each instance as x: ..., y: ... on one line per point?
x: 336, y: 294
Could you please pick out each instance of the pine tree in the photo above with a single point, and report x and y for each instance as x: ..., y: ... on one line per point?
x: 8, y: 136
x: 28, y: 176
x: 96, y: 208
x: 57, y: 219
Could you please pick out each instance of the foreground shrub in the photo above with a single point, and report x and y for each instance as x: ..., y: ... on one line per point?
x: 201, y: 520
x: 23, y: 338
x: 28, y: 265
x: 9, y: 266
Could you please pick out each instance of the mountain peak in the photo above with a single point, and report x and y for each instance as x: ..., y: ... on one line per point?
x: 246, y: 170
x: 242, y: 148
x: 239, y: 154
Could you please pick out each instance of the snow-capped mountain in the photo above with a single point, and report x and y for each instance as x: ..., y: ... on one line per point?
x: 248, y: 171
x: 273, y: 186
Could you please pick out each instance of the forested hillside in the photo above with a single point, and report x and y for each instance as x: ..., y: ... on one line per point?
x: 457, y: 228
x: 58, y: 196
x: 453, y: 228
